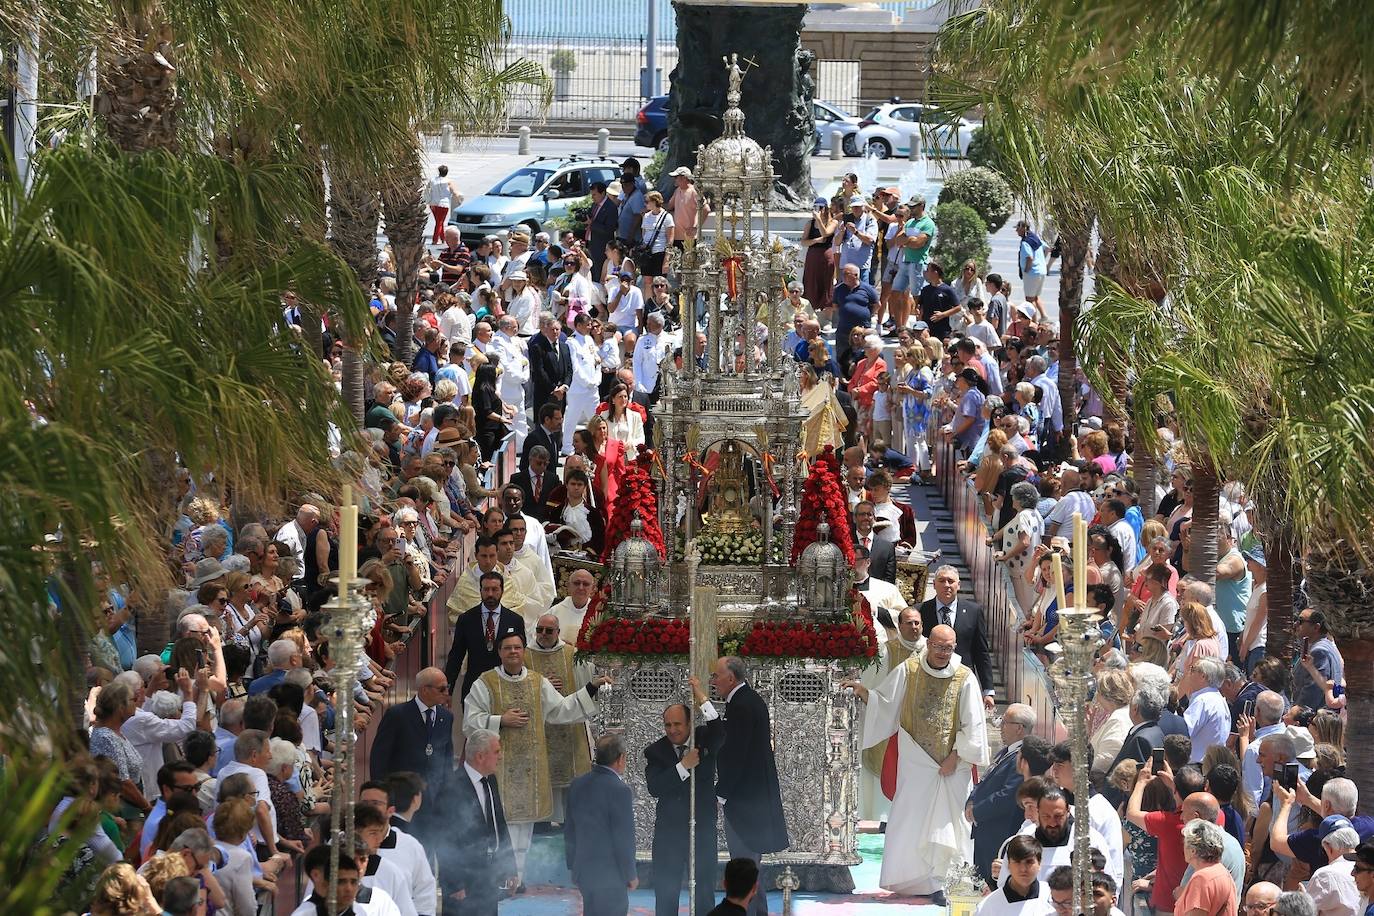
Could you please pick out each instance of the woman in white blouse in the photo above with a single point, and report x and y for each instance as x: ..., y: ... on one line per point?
x: 1112, y: 711
x: 623, y: 423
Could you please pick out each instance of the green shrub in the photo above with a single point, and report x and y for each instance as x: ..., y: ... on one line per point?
x: 960, y: 235
x: 983, y: 189
x: 564, y: 60
x: 982, y: 149
x: 654, y: 170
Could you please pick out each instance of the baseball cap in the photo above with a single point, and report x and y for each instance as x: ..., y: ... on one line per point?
x: 1364, y: 854
x: 1331, y: 823
x: 856, y: 201
x: 892, y: 189
x: 519, y: 275
x: 681, y: 170
x: 820, y: 202
x: 1025, y: 308
x: 625, y: 275
x: 919, y: 326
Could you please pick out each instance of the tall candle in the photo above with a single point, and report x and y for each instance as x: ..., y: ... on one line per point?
x: 348, y: 542
x: 1057, y: 561
x: 1080, y: 561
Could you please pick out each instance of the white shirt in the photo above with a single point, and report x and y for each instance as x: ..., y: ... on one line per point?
x: 524, y: 308
x: 381, y: 904
x: 292, y: 536
x: 569, y: 615
x: 259, y: 779
x: 985, y: 332
x: 148, y: 733
x: 1332, y: 888
x: 476, y: 779
x: 1125, y: 536
x: 647, y: 354
x: 456, y: 323
x: 626, y: 303
x: 996, y: 904
x: 1209, y: 721
x: 405, y: 852
x: 586, y: 375
x: 1071, y: 502
x: 389, y: 890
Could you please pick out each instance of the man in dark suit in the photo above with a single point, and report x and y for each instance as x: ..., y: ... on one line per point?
x: 970, y: 634
x: 599, y: 834
x: 1145, y: 735
x: 548, y: 433
x: 746, y: 771
x: 668, y: 764
x: 602, y: 224
x: 992, y: 807
x: 550, y: 363
x: 474, y: 633
x: 537, y: 481
x: 476, y: 859
x: 882, y: 552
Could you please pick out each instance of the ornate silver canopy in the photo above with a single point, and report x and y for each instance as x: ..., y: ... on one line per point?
x: 636, y: 585
x: 823, y: 576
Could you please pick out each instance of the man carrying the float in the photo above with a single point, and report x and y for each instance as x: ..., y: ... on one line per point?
x: 517, y: 704
x: 931, y: 705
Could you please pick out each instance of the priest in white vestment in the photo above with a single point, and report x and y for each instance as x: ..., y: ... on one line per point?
x: 893, y: 652
x: 517, y: 704
x: 933, y: 706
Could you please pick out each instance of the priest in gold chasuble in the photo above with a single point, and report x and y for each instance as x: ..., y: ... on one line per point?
x: 932, y: 706
x: 519, y: 704
x: 570, y: 753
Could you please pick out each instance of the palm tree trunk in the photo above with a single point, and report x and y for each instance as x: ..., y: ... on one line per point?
x: 137, y: 96
x: 353, y: 210
x: 1358, y: 655
x: 1145, y: 469
x: 1075, y: 230
x: 1278, y: 557
x: 1202, y: 549
x: 404, y: 210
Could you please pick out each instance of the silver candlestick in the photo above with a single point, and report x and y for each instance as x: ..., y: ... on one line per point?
x: 1072, y: 674
x: 347, y: 623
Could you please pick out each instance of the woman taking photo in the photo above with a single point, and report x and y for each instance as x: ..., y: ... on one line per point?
x: 656, y: 231
x: 623, y: 424
x: 970, y: 391
x: 244, y: 624
x: 491, y: 413
x: 818, y: 270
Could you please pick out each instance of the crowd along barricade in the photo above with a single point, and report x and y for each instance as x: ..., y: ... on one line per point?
x: 1023, y: 678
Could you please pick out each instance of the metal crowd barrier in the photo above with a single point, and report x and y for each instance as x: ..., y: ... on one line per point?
x: 1023, y: 678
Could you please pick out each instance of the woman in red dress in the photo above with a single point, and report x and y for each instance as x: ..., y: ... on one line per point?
x: 609, y: 455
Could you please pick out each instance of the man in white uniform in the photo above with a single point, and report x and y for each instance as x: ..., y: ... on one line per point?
x: 932, y: 704
x: 583, y: 393
x: 515, y: 374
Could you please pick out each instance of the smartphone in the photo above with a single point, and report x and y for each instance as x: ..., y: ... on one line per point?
x: 1157, y: 760
x: 200, y: 659
x: 1248, y: 709
x: 1290, y: 776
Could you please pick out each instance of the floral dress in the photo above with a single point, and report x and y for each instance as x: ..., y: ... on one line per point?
x: 916, y: 412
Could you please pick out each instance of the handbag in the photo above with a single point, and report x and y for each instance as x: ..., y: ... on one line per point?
x: 642, y: 251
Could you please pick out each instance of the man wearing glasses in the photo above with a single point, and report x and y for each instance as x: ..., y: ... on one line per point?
x: 570, y: 753
x: 1261, y: 897
x: 417, y: 737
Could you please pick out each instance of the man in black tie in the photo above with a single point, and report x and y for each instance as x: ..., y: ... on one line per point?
x: 965, y: 617
x: 746, y: 771
x: 417, y: 738
x: 602, y: 223
x: 537, y: 481
x: 550, y: 363
x: 668, y: 765
x: 992, y: 807
x: 474, y: 633
x: 482, y: 860
x: 882, y: 551
x: 548, y: 432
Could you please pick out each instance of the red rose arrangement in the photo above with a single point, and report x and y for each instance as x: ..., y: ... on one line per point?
x: 636, y: 496
x: 790, y: 639
x: 627, y: 636
x: 823, y: 499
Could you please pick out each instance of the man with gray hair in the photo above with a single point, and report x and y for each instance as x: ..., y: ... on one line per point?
x: 252, y: 757
x: 1268, y: 716
x: 282, y: 655
x: 147, y: 731
x: 1051, y: 408
x: 480, y: 858
x: 992, y: 808
x: 600, y: 832
x: 298, y: 534
x: 1339, y: 799
x: 1294, y: 903
x: 227, y: 731
x: 1208, y: 715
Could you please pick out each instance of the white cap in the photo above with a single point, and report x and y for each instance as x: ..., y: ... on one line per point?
x: 681, y: 170
x: 519, y: 275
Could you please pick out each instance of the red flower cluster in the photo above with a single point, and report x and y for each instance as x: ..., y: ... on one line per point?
x: 636, y: 495
x: 823, y: 497
x: 811, y: 640
x: 624, y: 636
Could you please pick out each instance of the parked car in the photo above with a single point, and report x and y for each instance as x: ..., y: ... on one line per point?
x: 887, y: 130
x: 651, y: 124
x: 532, y: 195
x: 830, y: 119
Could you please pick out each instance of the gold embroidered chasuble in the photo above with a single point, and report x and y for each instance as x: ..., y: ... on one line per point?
x: 569, y: 751
x: 526, y: 787
x: 930, y: 709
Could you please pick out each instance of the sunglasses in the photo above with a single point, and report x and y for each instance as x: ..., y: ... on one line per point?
x: 546, y: 629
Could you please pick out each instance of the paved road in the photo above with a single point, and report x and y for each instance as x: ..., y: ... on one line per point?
x: 483, y: 161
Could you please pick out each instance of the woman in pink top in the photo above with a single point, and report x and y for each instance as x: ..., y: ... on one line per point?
x: 1211, y: 891
x: 863, y: 384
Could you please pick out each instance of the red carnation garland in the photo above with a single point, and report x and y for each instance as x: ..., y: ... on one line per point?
x: 823, y: 498
x: 636, y: 495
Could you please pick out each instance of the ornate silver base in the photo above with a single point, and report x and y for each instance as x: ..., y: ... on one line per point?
x: 814, y: 741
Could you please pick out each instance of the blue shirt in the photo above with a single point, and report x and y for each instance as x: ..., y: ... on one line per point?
x: 854, y: 309
x: 266, y: 682
x: 426, y: 362
x: 629, y: 221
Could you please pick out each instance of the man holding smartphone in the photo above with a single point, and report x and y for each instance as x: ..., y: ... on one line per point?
x: 1320, y: 668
